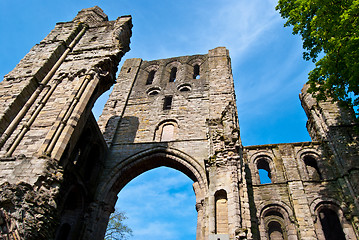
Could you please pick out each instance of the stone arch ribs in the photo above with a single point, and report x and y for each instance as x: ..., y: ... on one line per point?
x: 20, y: 115
x: 133, y: 166
x: 122, y: 173
x: 92, y: 85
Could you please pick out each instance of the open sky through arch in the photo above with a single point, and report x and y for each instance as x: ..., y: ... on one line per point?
x: 267, y: 63
x: 160, y: 204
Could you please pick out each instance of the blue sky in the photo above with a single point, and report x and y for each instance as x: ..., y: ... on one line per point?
x: 267, y: 67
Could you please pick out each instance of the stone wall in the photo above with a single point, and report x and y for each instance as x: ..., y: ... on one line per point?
x: 61, y: 171
x: 203, y: 122
x: 46, y: 102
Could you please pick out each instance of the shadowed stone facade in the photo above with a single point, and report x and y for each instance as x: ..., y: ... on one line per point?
x: 61, y: 171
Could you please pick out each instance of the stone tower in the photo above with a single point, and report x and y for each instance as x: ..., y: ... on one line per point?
x: 45, y: 106
x: 61, y: 171
x: 181, y: 113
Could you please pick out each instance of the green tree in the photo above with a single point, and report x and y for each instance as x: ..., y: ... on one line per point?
x: 116, y: 229
x: 330, y: 31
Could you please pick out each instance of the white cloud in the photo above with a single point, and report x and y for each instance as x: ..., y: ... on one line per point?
x: 239, y: 25
x: 157, y: 230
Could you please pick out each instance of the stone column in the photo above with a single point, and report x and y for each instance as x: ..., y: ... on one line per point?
x: 297, y: 195
x: 200, y: 223
x: 200, y: 211
x: 96, y: 221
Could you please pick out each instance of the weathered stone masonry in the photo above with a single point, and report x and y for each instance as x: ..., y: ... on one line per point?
x: 61, y: 171
x: 45, y: 106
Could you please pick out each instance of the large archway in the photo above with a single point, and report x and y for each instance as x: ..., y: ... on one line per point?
x: 159, y: 204
x: 126, y: 170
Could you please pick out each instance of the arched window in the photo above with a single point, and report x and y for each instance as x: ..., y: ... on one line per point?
x: 264, y: 171
x: 221, y: 212
x: 196, y: 73
x: 331, y: 226
x: 275, y: 231
x: 184, y: 88
x: 151, y: 76
x: 275, y: 225
x: 167, y: 132
x: 153, y: 91
x: 312, y: 168
x: 173, y: 74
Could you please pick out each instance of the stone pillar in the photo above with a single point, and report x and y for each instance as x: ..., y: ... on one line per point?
x: 200, y: 218
x: 297, y: 195
x: 200, y: 207
x: 96, y: 220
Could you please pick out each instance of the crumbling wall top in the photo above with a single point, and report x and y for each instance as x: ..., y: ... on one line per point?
x: 91, y: 16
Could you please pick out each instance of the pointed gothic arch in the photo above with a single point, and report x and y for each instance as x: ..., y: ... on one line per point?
x: 130, y: 168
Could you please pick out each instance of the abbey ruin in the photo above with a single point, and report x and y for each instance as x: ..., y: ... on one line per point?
x: 61, y: 171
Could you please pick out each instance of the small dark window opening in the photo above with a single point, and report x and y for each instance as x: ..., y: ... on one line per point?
x: 153, y: 93
x: 128, y: 70
x: 150, y: 77
x: 196, y: 72
x: 331, y: 225
x: 185, y: 89
x: 275, y: 231
x: 312, y: 168
x: 173, y: 74
x: 264, y: 171
x: 93, y: 39
x: 167, y: 103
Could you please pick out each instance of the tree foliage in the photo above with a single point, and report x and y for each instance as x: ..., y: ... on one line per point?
x: 330, y: 31
x: 116, y: 229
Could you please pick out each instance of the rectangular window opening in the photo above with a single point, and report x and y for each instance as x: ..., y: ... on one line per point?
x: 167, y: 103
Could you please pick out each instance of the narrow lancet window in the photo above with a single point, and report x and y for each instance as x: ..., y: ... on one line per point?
x: 275, y: 231
x: 221, y: 212
x: 167, y: 103
x: 173, y: 74
x: 150, y: 77
x: 196, y: 72
x: 312, y: 168
x: 275, y: 225
x: 331, y: 225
